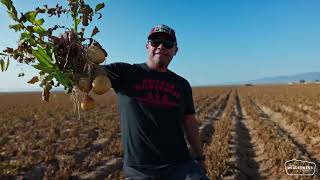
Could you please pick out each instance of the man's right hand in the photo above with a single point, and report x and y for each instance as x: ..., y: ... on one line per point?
x: 203, y: 166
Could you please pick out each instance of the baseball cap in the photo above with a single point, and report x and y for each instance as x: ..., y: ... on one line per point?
x: 163, y: 29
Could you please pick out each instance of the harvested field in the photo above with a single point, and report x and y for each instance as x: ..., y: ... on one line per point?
x: 246, y: 133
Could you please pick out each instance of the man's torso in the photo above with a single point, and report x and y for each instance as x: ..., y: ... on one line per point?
x: 152, y: 105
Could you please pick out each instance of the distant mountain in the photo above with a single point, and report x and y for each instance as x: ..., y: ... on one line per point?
x: 308, y: 77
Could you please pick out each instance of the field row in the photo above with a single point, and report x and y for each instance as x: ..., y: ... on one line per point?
x: 246, y: 133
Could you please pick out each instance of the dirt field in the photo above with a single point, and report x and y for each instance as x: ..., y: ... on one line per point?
x: 247, y: 132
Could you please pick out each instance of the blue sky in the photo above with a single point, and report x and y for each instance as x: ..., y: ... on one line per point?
x: 219, y: 40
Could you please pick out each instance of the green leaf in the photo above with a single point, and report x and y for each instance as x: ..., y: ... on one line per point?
x: 63, y: 79
x: 40, y: 30
x: 99, y: 6
x: 53, y: 57
x: 45, y: 80
x: 41, y: 72
x: 48, y: 78
x: 13, y: 15
x: 78, y: 21
x: 39, y: 22
x: 43, y: 57
x: 12, y: 12
x: 8, y: 62
x: 7, y: 3
x: 2, y: 64
x: 26, y: 36
x: 43, y: 69
x: 17, y: 27
x: 45, y: 54
x: 31, y: 16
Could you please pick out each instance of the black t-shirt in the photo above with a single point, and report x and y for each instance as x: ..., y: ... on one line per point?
x: 152, y: 105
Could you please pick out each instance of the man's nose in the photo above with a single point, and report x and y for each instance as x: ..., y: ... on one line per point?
x: 161, y: 46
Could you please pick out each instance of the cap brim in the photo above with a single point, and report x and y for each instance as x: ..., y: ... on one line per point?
x: 156, y: 33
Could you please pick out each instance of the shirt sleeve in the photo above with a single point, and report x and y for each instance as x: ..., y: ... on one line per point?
x: 189, y: 108
x: 117, y: 73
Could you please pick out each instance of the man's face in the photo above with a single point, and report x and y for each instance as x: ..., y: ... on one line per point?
x: 159, y: 50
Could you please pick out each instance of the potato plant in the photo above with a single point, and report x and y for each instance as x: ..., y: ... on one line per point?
x: 69, y: 59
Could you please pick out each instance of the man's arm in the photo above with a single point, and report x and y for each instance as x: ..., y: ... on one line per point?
x: 192, y: 132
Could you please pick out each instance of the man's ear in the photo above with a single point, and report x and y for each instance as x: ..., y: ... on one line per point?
x: 147, y: 45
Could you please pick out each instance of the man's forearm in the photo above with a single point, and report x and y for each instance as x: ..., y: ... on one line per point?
x: 192, y: 133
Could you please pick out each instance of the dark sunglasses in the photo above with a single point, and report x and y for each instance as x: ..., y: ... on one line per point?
x: 166, y: 43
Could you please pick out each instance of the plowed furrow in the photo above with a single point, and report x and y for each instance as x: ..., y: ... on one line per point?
x: 310, y: 151
x: 273, y: 145
x: 242, y: 148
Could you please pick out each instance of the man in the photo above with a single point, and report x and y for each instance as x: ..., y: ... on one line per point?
x: 156, y: 111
